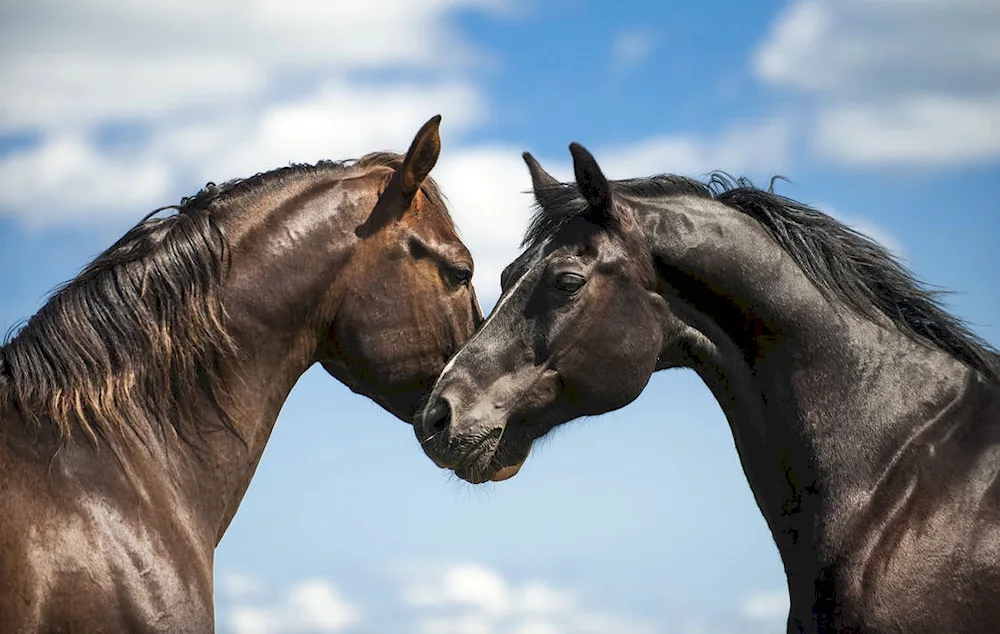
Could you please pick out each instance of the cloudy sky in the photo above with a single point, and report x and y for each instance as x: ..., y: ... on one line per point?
x: 884, y: 112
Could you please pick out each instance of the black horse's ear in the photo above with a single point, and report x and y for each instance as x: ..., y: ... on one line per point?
x: 540, y: 179
x: 420, y: 158
x: 593, y: 186
x: 543, y: 183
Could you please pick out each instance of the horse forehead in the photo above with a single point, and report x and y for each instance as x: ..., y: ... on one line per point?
x: 524, y: 263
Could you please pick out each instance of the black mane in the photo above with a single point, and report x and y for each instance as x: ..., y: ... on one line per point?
x: 841, y: 262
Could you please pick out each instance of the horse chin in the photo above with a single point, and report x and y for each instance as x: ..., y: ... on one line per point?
x: 507, y: 461
x: 506, y: 473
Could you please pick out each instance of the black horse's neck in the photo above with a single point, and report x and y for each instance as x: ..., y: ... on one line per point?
x: 818, y: 397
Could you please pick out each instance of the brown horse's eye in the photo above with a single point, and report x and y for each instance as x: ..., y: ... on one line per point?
x: 460, y: 275
x: 569, y: 283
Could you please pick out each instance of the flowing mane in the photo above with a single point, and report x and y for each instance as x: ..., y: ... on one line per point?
x: 841, y: 262
x: 141, y: 332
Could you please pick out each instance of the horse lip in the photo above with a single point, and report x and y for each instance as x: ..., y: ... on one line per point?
x: 441, y: 464
x: 438, y: 452
x: 480, y: 449
x: 481, y: 453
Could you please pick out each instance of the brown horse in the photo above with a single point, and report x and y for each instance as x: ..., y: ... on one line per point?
x: 135, y: 405
x: 867, y: 419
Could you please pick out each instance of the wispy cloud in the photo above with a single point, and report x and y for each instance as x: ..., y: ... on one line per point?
x: 456, y: 598
x: 631, y: 48
x: 471, y: 598
x: 759, y: 147
x: 64, y: 65
x: 890, y: 82
x: 916, y: 130
x: 208, y: 94
x: 221, y: 115
x: 769, y: 607
x: 309, y: 606
x: 468, y: 598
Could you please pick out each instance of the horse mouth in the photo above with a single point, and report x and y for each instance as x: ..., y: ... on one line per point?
x: 476, y: 463
x: 492, y: 457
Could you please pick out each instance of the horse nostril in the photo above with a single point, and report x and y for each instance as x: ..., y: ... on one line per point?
x: 438, y: 416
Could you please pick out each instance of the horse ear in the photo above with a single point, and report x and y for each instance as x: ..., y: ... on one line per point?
x: 540, y: 179
x: 593, y: 186
x: 420, y: 158
x: 543, y: 183
x: 407, y: 179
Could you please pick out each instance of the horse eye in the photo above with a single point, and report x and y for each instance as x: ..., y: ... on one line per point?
x: 569, y: 283
x: 460, y: 275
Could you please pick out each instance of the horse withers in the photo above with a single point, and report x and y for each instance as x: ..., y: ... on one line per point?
x: 866, y: 417
x: 135, y: 405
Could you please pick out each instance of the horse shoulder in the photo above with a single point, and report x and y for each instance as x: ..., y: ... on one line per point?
x: 75, y: 554
x: 931, y: 535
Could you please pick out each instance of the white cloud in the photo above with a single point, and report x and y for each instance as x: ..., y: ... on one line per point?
x: 767, y: 606
x: 463, y: 584
x: 892, y: 82
x: 91, y: 61
x: 485, y: 186
x: 319, y: 607
x: 631, y: 48
x: 473, y: 599
x: 760, y: 147
x: 468, y: 598
x: 70, y: 177
x: 60, y: 91
x: 916, y: 130
x: 215, y: 90
x: 779, y: 59
x: 883, y: 46
x: 462, y: 624
x: 200, y: 79
x: 340, y: 120
x: 240, y: 585
x: 310, y: 606
x: 538, y: 597
x: 67, y: 175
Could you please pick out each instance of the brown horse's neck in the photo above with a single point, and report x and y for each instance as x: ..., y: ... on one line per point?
x: 784, y: 364
x: 287, y: 255
x: 285, y: 252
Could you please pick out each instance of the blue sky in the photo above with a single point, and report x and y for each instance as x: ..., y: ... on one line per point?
x: 885, y: 113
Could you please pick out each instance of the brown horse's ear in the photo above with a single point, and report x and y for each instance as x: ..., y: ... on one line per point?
x: 545, y: 185
x: 594, y: 187
x: 420, y: 158
x: 407, y: 179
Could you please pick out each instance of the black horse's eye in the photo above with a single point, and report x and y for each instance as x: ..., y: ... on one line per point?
x: 569, y: 283
x: 460, y: 275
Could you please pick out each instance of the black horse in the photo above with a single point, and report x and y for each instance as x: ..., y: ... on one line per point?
x: 867, y: 419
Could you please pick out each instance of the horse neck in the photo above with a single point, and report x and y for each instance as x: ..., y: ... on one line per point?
x: 785, y: 363
x: 288, y: 251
